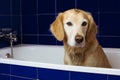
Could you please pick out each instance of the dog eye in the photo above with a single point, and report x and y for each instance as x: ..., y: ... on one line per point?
x: 69, y: 23
x: 84, y: 23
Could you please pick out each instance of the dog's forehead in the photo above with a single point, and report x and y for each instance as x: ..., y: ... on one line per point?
x: 75, y: 14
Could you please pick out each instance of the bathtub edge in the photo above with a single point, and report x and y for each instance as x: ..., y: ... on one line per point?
x: 62, y: 67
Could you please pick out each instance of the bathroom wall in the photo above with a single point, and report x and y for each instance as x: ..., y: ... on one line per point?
x: 32, y: 19
x: 10, y: 17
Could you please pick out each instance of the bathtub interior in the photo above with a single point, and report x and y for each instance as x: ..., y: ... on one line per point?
x: 53, y: 54
x: 36, y: 53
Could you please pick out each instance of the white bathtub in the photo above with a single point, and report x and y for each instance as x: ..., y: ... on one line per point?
x: 53, y: 56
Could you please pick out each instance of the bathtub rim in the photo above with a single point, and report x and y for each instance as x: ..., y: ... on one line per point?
x: 94, y: 70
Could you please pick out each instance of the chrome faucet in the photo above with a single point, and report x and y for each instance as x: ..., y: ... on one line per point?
x: 11, y: 36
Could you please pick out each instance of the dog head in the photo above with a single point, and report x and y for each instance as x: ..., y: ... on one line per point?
x: 77, y: 26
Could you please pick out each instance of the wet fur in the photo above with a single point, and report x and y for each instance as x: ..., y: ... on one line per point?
x: 91, y: 54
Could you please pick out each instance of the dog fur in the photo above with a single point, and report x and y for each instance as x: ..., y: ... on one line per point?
x: 89, y: 52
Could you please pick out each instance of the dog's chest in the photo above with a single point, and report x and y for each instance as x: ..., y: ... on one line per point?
x: 74, y: 55
x: 74, y: 59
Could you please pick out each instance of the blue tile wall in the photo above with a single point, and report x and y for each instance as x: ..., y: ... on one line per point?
x: 15, y: 7
x: 5, y: 7
x: 29, y: 7
x: 15, y: 24
x: 87, y: 76
x: 46, y: 6
x: 113, y: 6
x: 113, y: 77
x: 16, y: 72
x: 4, y: 77
x: 49, y: 74
x: 44, y: 22
x: 109, y: 24
x: 5, y: 68
x: 32, y: 19
x: 90, y: 6
x: 20, y: 78
x: 110, y: 41
x: 29, y: 24
x: 5, y: 21
x: 47, y: 40
x: 30, y: 39
x: 10, y: 18
x: 24, y: 71
x: 60, y: 5
x: 4, y: 42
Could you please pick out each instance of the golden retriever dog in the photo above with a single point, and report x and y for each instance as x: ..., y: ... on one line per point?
x: 77, y: 29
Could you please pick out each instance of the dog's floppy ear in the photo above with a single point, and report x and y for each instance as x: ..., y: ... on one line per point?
x: 92, y: 29
x: 57, y: 27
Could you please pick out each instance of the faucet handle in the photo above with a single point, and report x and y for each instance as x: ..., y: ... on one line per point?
x: 15, y: 39
x: 1, y: 34
x: 5, y: 31
x: 13, y: 36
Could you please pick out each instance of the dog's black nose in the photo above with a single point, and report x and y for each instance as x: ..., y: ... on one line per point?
x: 78, y: 38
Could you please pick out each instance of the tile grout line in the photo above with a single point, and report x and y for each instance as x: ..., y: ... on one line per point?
x: 22, y: 77
x: 76, y: 4
x: 10, y: 72
x: 5, y: 74
x: 11, y: 14
x: 107, y: 77
x: 17, y: 76
x: 55, y: 15
x: 37, y: 73
x: 21, y: 22
x: 52, y: 35
x: 37, y: 35
x: 107, y: 36
x: 55, y: 7
x: 69, y: 76
x: 38, y: 38
x: 98, y: 16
